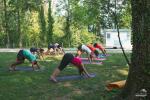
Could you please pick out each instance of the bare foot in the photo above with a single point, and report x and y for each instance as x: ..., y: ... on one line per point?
x: 53, y: 79
x: 11, y: 69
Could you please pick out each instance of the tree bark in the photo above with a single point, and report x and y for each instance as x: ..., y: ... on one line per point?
x: 68, y: 22
x: 50, y: 25
x: 139, y: 71
x: 42, y: 24
x: 18, y: 25
x: 6, y: 24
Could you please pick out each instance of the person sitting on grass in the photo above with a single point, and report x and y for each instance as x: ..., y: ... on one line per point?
x: 69, y: 58
x: 83, y: 48
x: 100, y: 47
x: 21, y: 56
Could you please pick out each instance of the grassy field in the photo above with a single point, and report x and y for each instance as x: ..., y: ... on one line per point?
x: 34, y: 85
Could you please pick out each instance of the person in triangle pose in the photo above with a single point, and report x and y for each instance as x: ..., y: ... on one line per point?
x: 69, y: 58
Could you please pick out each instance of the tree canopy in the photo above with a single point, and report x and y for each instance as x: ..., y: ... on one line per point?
x: 39, y: 22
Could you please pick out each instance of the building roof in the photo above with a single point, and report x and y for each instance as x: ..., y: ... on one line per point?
x: 115, y: 30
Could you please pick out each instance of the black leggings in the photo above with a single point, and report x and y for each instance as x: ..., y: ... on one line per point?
x: 67, y: 58
x: 20, y: 56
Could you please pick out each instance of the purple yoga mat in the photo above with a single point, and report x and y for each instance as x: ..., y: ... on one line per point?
x: 87, y: 62
x: 98, y: 59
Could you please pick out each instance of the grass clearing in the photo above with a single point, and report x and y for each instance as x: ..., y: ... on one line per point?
x: 32, y: 85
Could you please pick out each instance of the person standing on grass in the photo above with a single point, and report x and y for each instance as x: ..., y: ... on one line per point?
x: 21, y: 56
x: 83, y: 48
x: 69, y: 58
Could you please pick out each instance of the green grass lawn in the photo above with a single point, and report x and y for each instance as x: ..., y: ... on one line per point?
x: 34, y: 85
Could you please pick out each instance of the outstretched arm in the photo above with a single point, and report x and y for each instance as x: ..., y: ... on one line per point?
x: 83, y: 71
x: 90, y: 58
x: 34, y: 63
x: 40, y: 55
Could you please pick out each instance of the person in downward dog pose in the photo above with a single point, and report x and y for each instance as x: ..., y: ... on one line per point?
x: 83, y: 48
x: 69, y: 58
x: 100, y: 47
x: 39, y: 52
x: 51, y: 50
x: 21, y: 56
x: 95, y: 51
x: 59, y: 49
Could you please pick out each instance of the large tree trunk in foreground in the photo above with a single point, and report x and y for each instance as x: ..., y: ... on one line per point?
x: 139, y: 71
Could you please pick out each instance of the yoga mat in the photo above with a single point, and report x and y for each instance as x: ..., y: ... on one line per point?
x: 87, y: 62
x: 102, y: 56
x: 118, y: 84
x: 74, y: 77
x: 95, y: 59
x: 26, y: 69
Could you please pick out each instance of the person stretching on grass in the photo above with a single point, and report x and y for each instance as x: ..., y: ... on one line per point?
x: 69, y: 58
x: 83, y: 48
x: 21, y: 56
x: 100, y: 47
x: 37, y: 52
x: 51, y: 49
x: 59, y: 48
x: 94, y: 50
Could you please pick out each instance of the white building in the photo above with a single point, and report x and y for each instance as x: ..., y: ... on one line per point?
x: 111, y: 38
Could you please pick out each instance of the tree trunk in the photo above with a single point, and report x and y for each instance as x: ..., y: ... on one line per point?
x: 18, y: 25
x: 139, y: 71
x: 42, y: 25
x: 6, y: 24
x: 18, y: 29
x: 67, y: 31
x: 50, y: 25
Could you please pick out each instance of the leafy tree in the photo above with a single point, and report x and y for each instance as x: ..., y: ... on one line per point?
x: 72, y: 18
x: 67, y: 31
x: 6, y: 22
x: 50, y: 25
x: 42, y: 23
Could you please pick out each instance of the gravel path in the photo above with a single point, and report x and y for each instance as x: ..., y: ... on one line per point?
x: 66, y: 50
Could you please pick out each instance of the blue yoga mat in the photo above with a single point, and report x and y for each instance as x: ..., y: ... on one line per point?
x: 102, y: 56
x: 26, y: 69
x: 97, y: 63
x: 74, y: 77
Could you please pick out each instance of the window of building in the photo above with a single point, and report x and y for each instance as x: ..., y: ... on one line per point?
x: 108, y: 35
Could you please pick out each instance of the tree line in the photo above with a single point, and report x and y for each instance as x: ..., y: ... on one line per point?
x: 26, y: 23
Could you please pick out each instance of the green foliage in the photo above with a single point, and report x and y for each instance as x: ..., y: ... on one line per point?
x: 33, y: 23
x: 42, y: 24
x: 50, y: 26
x: 2, y: 39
